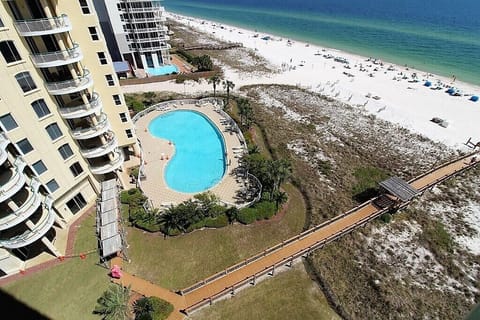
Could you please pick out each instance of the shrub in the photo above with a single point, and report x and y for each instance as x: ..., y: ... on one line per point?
x: 218, y: 222
x: 148, y: 226
x: 194, y: 226
x: 386, y: 217
x: 152, y: 308
x: 247, y: 215
x: 265, y: 210
x: 133, y: 197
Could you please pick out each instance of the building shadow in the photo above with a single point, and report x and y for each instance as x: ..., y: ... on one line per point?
x: 18, y: 309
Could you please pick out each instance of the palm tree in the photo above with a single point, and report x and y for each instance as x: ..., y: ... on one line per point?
x: 113, y: 304
x: 215, y: 80
x: 245, y: 111
x: 283, y: 169
x: 280, y: 198
x: 142, y: 308
x: 228, y: 85
x: 170, y: 220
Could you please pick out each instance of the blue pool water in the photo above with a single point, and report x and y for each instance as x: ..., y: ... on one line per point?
x: 163, y: 70
x: 199, y: 160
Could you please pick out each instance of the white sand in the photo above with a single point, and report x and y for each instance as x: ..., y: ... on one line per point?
x: 409, y: 104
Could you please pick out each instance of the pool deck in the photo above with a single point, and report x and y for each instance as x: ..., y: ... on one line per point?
x: 157, y: 152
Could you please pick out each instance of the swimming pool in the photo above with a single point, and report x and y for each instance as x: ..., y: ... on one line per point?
x: 163, y: 70
x: 199, y: 160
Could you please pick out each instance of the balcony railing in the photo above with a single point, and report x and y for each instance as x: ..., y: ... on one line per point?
x: 25, y: 210
x: 38, y: 231
x: 16, y: 182
x: 93, y: 106
x: 4, y: 142
x: 100, y: 150
x: 86, y: 133
x: 151, y: 39
x: 45, y: 26
x: 57, y: 58
x: 109, y: 166
x: 144, y: 9
x: 70, y: 86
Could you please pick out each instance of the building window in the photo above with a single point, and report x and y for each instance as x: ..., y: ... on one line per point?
x: 110, y: 80
x: 129, y: 133
x: 8, y: 122
x: 76, y: 203
x: 9, y: 52
x: 40, y: 108
x: 54, y: 131
x: 52, y: 185
x: 65, y: 151
x: 76, y: 169
x: 25, y: 81
x: 116, y: 99
x: 93, y: 33
x: 39, y: 167
x: 123, y: 117
x: 24, y: 146
x: 84, y: 6
x: 102, y: 57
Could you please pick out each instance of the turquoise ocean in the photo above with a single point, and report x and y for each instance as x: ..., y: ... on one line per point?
x: 439, y: 36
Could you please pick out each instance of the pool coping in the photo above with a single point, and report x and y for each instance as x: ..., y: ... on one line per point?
x: 158, y: 192
x: 218, y: 133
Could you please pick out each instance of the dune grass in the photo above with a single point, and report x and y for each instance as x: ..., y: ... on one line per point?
x: 287, y: 296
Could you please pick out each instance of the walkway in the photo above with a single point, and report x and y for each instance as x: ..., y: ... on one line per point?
x: 226, y: 282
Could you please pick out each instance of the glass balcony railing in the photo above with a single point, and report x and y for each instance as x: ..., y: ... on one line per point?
x: 80, y: 83
x: 36, y: 232
x: 16, y: 181
x: 26, y: 209
x: 94, y: 131
x: 93, y: 106
x: 108, y: 166
x: 44, y: 26
x: 100, y: 150
x: 57, y: 58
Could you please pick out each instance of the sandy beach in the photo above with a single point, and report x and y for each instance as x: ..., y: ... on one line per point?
x: 392, y: 92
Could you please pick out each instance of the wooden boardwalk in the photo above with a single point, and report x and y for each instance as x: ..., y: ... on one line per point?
x: 247, y: 272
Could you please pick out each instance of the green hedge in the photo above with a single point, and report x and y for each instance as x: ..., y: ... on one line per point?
x: 152, y: 308
x: 265, y: 210
x: 247, y: 215
x: 218, y: 222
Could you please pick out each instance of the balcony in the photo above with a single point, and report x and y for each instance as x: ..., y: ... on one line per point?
x: 45, y: 26
x: 4, y: 142
x: 57, y: 58
x: 36, y: 231
x: 93, y: 106
x: 15, y: 182
x: 99, y: 151
x: 150, y: 47
x: 86, y: 133
x: 144, y: 9
x: 70, y: 86
x: 25, y: 210
x: 109, y: 166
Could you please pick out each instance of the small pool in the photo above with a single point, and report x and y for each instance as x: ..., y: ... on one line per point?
x: 163, y: 70
x: 199, y: 160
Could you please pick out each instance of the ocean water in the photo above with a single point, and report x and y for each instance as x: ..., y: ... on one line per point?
x: 439, y: 36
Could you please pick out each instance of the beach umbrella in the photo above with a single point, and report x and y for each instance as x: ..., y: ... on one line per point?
x: 474, y: 98
x: 451, y: 90
x: 427, y: 84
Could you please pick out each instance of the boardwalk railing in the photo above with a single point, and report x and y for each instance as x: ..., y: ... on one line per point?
x: 318, y: 244
x: 286, y: 261
x: 270, y: 250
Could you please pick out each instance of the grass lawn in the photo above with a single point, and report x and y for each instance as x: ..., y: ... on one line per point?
x: 289, y: 295
x: 178, y: 262
x: 68, y: 290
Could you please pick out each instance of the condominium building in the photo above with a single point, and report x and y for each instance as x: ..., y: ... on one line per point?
x: 64, y: 125
x: 135, y: 31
